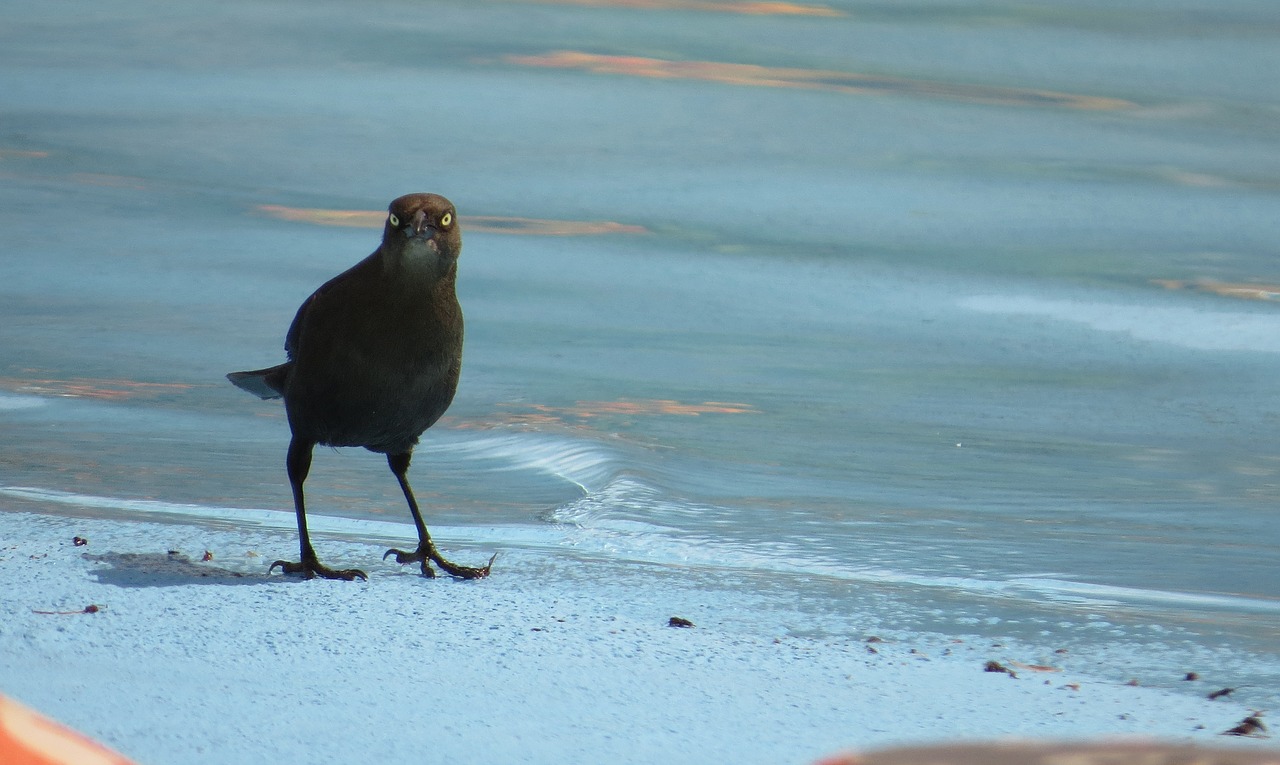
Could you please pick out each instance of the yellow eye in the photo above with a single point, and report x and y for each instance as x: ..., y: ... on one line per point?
x: 394, y: 220
x: 446, y: 219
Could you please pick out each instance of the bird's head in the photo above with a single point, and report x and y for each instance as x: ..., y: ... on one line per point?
x: 423, y: 226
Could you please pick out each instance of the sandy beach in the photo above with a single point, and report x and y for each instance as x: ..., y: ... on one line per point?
x: 552, y: 659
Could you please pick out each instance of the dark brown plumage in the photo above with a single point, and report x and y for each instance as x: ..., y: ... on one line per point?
x: 374, y: 357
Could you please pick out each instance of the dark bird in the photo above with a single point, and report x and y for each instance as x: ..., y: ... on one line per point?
x: 373, y: 361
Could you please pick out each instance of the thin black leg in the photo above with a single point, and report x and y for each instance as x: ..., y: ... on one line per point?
x: 426, y: 552
x: 298, y: 463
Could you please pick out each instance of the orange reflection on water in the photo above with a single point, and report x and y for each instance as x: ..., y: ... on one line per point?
x: 22, y: 154
x: 579, y: 411
x: 588, y: 409
x: 1226, y: 289
x: 578, y: 414
x: 811, y: 79
x: 492, y: 224
x: 714, y: 6
x: 109, y: 390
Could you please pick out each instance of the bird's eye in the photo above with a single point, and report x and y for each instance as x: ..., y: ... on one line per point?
x: 394, y: 220
x: 446, y: 219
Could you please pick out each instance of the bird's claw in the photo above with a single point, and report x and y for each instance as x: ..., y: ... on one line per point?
x: 312, y: 569
x: 452, y: 569
x: 402, y: 557
x: 467, y: 572
x: 416, y: 556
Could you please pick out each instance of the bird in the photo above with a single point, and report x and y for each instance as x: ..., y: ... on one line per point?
x: 373, y: 360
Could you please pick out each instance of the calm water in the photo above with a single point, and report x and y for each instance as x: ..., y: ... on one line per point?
x: 956, y: 315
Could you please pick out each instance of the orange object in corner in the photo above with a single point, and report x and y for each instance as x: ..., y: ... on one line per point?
x: 29, y: 738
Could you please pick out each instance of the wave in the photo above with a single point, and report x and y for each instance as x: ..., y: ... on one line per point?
x: 582, y: 463
x: 626, y: 513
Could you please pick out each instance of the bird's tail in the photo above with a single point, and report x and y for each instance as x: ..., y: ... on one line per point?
x: 263, y: 383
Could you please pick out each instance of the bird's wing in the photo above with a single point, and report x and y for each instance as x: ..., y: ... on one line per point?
x: 291, y: 338
x: 294, y: 336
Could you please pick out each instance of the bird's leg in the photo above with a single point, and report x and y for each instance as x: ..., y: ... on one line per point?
x: 426, y: 552
x: 299, y: 464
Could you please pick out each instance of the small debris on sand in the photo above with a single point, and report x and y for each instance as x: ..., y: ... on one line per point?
x: 995, y: 666
x: 1250, y: 726
x: 89, y: 609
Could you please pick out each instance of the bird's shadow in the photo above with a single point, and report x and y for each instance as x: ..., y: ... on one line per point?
x: 164, y: 570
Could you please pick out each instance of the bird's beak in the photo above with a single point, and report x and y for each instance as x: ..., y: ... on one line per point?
x: 419, y: 225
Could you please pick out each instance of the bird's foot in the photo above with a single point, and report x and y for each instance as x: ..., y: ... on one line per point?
x: 310, y: 569
x: 426, y: 556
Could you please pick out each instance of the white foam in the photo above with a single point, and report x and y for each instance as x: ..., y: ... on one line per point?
x: 596, y: 527
x: 591, y: 526
x: 529, y: 537
x: 1108, y: 594
x: 586, y: 466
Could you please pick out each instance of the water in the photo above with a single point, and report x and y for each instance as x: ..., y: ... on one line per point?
x: 943, y: 318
